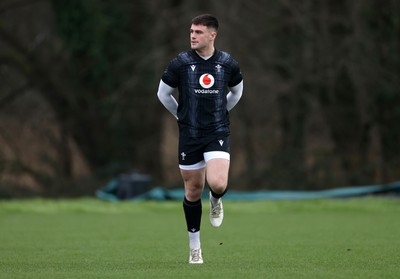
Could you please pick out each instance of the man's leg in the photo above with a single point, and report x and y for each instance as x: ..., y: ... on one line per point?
x: 217, y: 175
x: 194, y: 184
x: 217, y: 170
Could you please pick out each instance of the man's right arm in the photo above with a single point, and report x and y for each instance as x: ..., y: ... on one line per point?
x: 234, y: 96
x: 167, y: 99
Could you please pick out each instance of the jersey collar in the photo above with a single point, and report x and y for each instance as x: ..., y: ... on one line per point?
x: 201, y: 58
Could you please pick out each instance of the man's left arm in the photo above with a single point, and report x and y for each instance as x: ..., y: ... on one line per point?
x: 234, y: 95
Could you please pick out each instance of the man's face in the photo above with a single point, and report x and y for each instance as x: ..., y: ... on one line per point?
x: 201, y: 37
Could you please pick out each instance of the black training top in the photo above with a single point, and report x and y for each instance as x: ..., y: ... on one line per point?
x: 203, y: 86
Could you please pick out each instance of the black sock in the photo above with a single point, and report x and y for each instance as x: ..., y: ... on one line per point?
x: 193, y: 212
x: 218, y: 196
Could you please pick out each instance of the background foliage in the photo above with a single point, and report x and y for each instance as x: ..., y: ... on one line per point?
x: 78, y: 79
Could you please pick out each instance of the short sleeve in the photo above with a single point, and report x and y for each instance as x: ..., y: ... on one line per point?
x: 236, y: 75
x: 171, y: 74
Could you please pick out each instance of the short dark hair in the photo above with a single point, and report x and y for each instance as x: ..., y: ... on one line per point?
x: 206, y: 20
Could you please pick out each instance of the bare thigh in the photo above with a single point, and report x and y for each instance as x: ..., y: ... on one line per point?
x: 217, y: 171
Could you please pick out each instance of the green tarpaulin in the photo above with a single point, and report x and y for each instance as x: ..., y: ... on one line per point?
x: 109, y: 192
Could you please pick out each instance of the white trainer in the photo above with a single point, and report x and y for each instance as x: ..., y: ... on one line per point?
x: 195, y: 256
x: 216, y: 213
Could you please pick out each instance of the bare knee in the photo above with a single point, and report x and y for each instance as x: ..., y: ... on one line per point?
x: 218, y: 184
x: 193, y: 193
x: 194, y: 184
x: 217, y: 174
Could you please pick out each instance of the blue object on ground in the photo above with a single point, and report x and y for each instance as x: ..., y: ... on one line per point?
x: 109, y: 192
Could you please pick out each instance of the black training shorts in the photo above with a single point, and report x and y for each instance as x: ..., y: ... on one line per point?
x: 191, y: 150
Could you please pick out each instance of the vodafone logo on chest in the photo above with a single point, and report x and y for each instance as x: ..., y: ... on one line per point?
x: 206, y: 80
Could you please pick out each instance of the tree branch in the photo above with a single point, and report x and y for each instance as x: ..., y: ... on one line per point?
x: 14, y: 94
x: 17, y: 4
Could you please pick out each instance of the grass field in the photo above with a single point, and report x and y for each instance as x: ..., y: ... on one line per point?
x: 88, y: 238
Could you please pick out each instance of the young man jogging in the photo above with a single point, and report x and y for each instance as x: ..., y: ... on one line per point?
x: 210, y: 84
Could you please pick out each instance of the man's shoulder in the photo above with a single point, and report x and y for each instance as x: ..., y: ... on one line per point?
x: 226, y: 58
x: 185, y: 57
x: 182, y: 59
x: 223, y: 54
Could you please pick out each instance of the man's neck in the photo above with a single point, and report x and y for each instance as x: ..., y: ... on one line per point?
x: 206, y: 52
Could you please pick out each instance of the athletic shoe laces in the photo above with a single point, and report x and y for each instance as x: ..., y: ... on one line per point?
x: 216, y: 210
x: 196, y: 255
